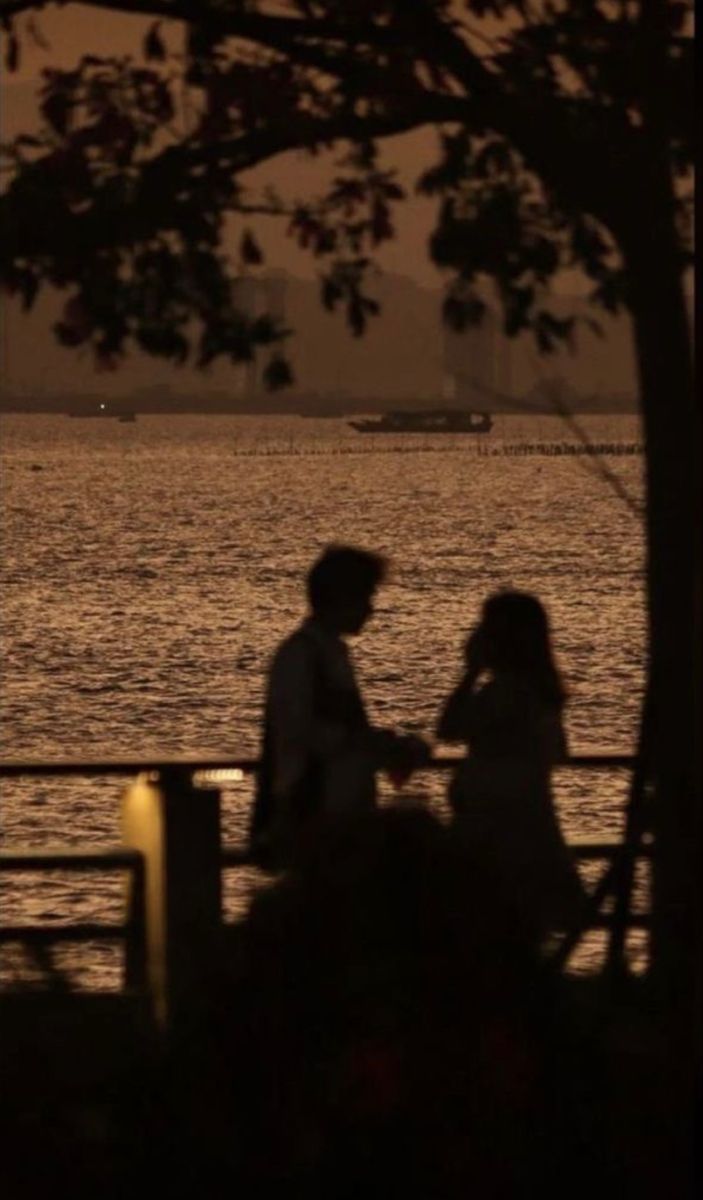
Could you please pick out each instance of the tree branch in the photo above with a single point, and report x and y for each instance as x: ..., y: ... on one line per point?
x: 247, y: 150
x: 540, y: 124
x: 260, y: 27
x: 583, y: 154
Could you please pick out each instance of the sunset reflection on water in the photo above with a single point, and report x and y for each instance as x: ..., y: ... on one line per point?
x: 149, y: 569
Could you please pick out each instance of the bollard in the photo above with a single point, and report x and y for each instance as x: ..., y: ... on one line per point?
x: 177, y: 830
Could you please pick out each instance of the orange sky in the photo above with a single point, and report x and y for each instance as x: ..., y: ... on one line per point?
x: 78, y: 29
x: 73, y: 30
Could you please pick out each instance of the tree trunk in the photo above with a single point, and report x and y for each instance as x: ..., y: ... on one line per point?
x: 672, y: 429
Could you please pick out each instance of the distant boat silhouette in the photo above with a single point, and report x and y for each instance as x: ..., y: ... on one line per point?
x: 433, y: 420
x: 318, y: 414
x: 123, y: 414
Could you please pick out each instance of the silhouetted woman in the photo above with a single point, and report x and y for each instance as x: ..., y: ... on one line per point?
x: 508, y: 710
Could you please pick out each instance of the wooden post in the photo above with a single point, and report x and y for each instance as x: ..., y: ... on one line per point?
x: 177, y: 829
x: 135, y: 962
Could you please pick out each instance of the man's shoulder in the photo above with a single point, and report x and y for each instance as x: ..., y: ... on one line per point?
x: 297, y: 648
x: 312, y: 650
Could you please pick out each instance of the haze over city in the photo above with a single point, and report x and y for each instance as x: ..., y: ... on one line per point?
x: 401, y: 358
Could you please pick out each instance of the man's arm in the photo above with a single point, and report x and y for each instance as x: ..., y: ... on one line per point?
x: 297, y: 731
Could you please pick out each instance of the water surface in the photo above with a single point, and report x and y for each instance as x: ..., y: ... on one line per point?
x: 149, y: 569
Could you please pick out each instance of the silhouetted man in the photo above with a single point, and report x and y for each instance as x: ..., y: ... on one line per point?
x: 319, y: 752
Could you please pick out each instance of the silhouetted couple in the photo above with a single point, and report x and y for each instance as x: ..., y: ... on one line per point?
x: 321, y: 754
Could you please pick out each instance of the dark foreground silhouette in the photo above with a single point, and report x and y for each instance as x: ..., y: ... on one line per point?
x: 389, y: 1025
x: 380, y: 1024
x: 383, y: 1022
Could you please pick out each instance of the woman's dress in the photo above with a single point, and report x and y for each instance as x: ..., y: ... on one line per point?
x: 501, y: 796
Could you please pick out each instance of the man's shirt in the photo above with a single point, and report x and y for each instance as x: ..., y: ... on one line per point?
x: 315, y: 712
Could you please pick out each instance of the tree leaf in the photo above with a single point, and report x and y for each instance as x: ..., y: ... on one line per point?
x: 153, y: 45
x: 12, y: 53
x: 277, y: 373
x: 331, y: 293
x: 56, y: 108
x: 249, y: 250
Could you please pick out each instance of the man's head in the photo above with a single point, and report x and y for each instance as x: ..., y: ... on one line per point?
x: 341, y: 585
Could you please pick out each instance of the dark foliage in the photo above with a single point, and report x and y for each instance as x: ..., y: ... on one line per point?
x: 127, y: 197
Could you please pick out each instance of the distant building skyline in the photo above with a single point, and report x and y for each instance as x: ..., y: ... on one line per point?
x: 403, y: 352
x: 407, y: 354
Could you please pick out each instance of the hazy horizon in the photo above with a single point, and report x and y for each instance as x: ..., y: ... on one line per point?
x: 33, y: 360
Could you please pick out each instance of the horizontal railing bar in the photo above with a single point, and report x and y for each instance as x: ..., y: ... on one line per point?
x: 129, y: 766
x: 94, y: 932
x: 594, y: 850
x: 19, y: 859
x: 606, y: 920
x: 602, y: 921
x: 10, y: 768
x: 239, y: 856
x: 62, y: 933
x: 50, y: 859
x: 597, y: 762
x: 236, y: 856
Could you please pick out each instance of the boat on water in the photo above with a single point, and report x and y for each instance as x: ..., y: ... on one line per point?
x: 319, y: 415
x: 123, y: 414
x: 434, y: 420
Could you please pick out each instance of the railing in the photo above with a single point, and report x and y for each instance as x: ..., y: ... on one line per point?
x: 173, y: 854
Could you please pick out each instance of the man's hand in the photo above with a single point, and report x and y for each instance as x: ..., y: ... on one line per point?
x: 408, y: 753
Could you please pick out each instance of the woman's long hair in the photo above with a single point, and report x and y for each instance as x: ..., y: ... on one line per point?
x: 515, y: 629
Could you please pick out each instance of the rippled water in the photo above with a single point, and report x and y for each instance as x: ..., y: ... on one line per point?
x: 149, y: 569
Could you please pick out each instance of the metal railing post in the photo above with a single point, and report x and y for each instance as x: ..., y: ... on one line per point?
x: 177, y: 829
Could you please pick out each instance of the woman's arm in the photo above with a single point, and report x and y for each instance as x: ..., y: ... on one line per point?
x: 554, y: 735
x: 455, y: 718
